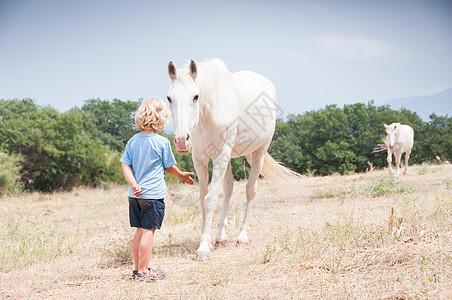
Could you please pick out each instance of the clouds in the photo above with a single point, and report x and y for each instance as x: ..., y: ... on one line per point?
x: 314, y: 53
x: 356, y: 47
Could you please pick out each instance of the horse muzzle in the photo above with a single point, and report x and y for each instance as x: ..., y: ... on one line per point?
x: 182, y: 143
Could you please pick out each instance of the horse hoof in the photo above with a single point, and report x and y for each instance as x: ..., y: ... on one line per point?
x: 202, y: 256
x: 220, y: 244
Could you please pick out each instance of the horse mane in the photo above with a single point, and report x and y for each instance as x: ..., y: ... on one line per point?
x: 212, y: 79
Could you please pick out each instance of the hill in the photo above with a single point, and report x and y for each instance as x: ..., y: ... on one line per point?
x: 424, y: 106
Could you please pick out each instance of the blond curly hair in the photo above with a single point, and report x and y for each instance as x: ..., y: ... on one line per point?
x: 152, y: 114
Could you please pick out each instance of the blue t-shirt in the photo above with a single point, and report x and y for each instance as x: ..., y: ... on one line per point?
x: 149, y: 155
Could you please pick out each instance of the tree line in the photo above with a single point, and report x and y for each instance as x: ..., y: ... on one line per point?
x: 42, y: 149
x: 343, y: 140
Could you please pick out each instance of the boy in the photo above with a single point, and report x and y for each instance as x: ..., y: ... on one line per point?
x: 146, y: 158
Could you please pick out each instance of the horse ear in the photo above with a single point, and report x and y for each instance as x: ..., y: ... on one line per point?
x: 193, y: 69
x: 172, y: 72
x: 386, y: 126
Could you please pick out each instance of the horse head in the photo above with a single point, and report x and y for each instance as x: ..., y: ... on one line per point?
x: 391, y: 134
x: 183, y: 97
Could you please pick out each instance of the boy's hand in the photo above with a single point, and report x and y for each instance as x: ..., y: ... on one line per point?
x: 130, y: 178
x: 185, y: 177
x: 136, y: 190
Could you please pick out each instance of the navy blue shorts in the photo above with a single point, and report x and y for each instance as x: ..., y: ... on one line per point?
x: 146, y: 213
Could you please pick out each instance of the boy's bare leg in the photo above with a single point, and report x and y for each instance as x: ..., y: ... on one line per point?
x: 135, y: 244
x: 145, y: 250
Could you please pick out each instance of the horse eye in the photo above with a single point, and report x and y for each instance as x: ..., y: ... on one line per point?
x: 169, y: 99
x: 196, y: 98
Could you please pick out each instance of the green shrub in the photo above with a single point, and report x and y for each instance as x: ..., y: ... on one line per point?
x: 5, y: 180
x: 423, y: 169
x: 387, y: 185
x: 9, y: 176
x: 114, y: 171
x: 59, y: 150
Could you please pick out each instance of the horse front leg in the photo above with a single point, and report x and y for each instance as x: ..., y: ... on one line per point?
x: 407, y: 157
x: 202, y: 171
x: 228, y: 185
x: 398, y: 157
x: 257, y: 162
x: 389, y: 159
x: 220, y: 164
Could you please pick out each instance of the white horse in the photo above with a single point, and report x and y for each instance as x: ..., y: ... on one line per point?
x: 399, y: 140
x: 223, y: 115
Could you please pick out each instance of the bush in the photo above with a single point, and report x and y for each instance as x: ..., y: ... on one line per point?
x: 114, y: 172
x: 388, y: 185
x: 5, y: 180
x: 59, y: 150
x: 9, y: 176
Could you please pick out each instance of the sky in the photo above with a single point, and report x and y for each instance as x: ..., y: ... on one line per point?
x: 61, y: 53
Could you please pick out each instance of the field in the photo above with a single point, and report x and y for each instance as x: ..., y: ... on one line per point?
x: 361, y: 236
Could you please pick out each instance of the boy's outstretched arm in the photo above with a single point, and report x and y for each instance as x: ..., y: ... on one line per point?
x: 130, y: 178
x: 184, y: 176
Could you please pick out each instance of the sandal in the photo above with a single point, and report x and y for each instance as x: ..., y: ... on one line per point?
x: 153, y: 275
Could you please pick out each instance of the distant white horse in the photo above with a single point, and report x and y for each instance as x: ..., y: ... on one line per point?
x: 223, y: 115
x: 399, y: 140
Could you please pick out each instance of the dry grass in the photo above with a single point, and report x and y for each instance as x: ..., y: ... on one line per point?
x: 364, y: 236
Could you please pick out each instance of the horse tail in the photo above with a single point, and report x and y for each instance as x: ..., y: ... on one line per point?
x: 275, y: 171
x: 382, y: 147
